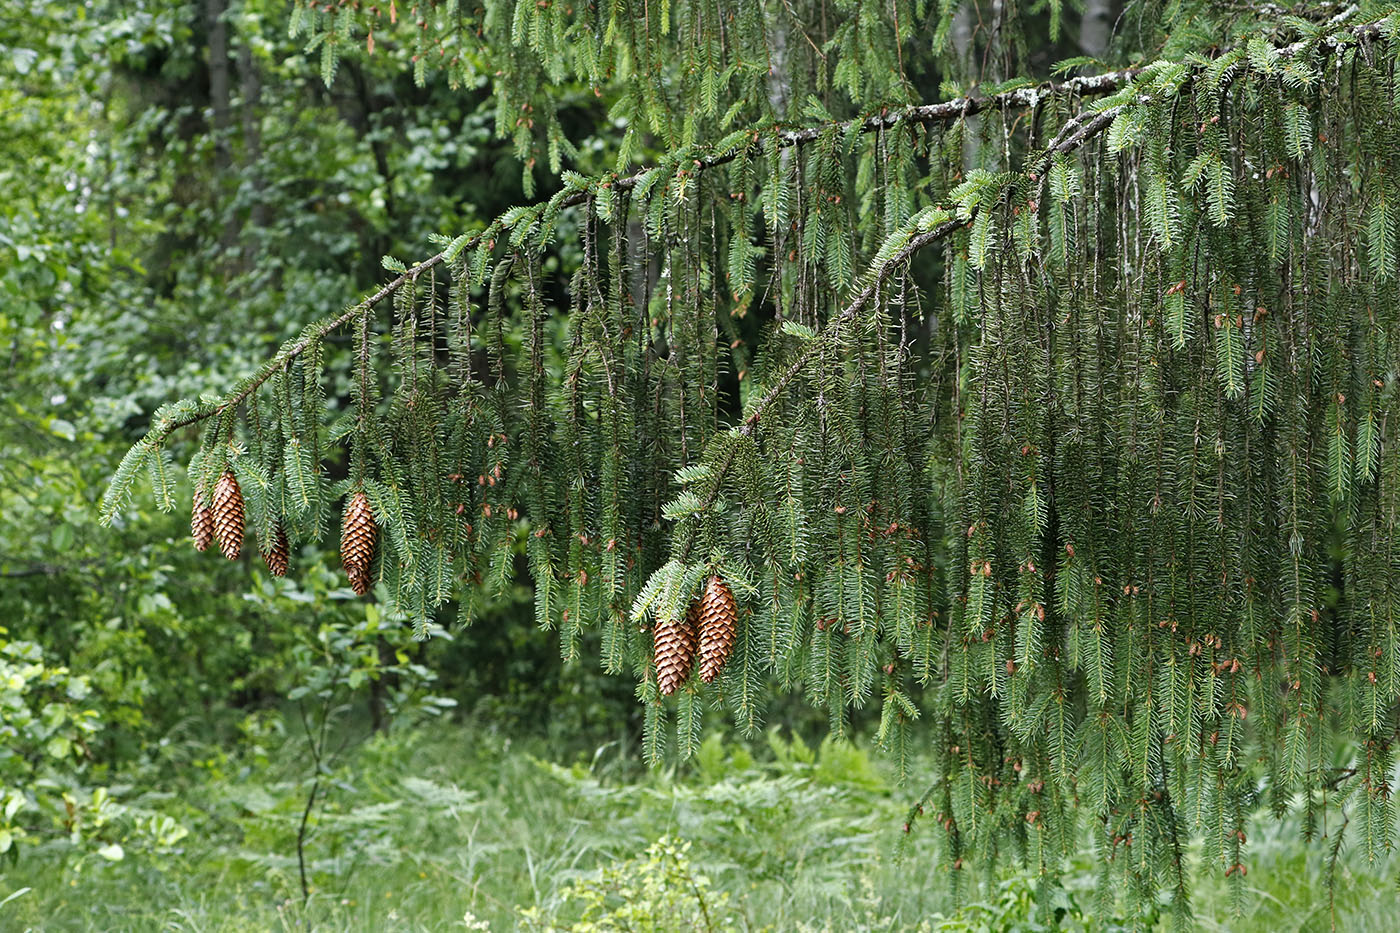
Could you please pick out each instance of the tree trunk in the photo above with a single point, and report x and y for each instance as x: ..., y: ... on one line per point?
x: 363, y: 121
x: 779, y: 83
x: 379, y: 687
x: 214, y: 11
x: 962, y: 36
x: 1095, y: 27
x: 251, y: 84
x: 218, y: 79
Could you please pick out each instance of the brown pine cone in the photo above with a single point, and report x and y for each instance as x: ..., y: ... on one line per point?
x: 228, y: 515
x: 276, y: 557
x: 360, y: 580
x: 719, y: 619
x: 357, y: 539
x: 201, y: 523
x: 675, y: 650
x: 692, y: 625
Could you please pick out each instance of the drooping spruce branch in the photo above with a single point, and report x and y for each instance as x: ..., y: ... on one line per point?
x: 1061, y: 437
x: 581, y: 192
x: 1074, y: 133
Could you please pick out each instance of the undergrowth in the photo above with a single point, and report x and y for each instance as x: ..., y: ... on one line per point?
x: 450, y: 829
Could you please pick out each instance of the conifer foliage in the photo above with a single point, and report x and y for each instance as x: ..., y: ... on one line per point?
x: 1056, y: 420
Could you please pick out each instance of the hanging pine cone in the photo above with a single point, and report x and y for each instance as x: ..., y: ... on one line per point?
x: 692, y: 626
x: 228, y: 515
x: 719, y: 618
x: 675, y: 650
x: 357, y: 537
x: 360, y: 580
x: 276, y: 556
x: 201, y: 523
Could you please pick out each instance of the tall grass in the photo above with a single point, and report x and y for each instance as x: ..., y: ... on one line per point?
x: 458, y: 829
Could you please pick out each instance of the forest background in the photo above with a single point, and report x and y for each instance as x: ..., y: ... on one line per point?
x: 192, y: 744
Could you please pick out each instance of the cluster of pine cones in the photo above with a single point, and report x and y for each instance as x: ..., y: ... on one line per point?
x: 708, y: 627
x: 223, y: 520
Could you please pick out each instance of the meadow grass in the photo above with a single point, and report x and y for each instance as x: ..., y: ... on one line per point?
x: 454, y: 828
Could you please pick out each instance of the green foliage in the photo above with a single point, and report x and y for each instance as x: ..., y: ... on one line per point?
x: 445, y: 831
x: 657, y: 893
x: 135, y: 262
x: 1049, y: 427
x: 1015, y: 906
x: 47, y: 793
x: 44, y: 729
x: 1075, y: 499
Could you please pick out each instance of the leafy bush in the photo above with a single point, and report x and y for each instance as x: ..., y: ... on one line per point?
x: 44, y: 727
x: 660, y: 892
x: 46, y: 724
x: 1012, y: 906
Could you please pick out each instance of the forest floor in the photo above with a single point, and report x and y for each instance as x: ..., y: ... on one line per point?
x: 456, y: 828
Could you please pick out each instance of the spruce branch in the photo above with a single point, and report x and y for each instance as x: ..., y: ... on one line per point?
x: 944, y: 111
x: 1073, y: 450
x: 1076, y: 131
x: 1073, y: 134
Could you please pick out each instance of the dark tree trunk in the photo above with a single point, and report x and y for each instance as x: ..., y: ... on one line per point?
x: 218, y: 79
x: 219, y: 104
x: 1096, y: 27
x: 251, y: 85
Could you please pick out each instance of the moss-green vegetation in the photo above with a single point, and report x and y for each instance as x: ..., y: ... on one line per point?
x: 422, y: 831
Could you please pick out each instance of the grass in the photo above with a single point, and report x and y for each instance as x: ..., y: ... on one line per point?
x: 436, y: 830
